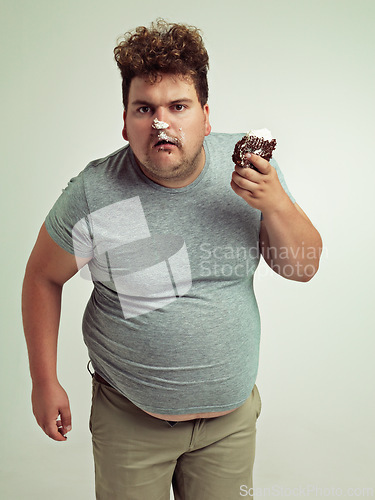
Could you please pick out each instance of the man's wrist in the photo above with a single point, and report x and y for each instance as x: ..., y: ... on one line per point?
x: 44, y: 380
x: 281, y: 209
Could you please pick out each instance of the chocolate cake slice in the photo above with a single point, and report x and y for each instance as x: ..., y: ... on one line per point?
x: 259, y: 142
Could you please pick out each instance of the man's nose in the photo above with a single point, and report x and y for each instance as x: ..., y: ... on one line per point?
x: 159, y: 124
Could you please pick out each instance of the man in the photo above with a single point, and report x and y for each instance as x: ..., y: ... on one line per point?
x: 172, y: 326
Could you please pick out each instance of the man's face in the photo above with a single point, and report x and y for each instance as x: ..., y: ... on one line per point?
x: 165, y: 125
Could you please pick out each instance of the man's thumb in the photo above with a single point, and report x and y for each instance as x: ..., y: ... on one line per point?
x: 66, y: 420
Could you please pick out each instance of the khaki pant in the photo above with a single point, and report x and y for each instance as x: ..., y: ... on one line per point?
x: 138, y: 457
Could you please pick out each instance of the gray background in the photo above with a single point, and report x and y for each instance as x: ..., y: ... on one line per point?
x: 303, y: 69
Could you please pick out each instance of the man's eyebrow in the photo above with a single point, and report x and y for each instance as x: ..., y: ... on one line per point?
x: 183, y: 99
x: 141, y: 102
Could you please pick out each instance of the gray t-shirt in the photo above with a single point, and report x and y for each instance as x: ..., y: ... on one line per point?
x: 172, y: 322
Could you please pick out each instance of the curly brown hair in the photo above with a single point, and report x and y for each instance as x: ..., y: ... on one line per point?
x: 163, y: 48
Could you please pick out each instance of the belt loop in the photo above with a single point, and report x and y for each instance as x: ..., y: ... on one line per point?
x: 88, y: 368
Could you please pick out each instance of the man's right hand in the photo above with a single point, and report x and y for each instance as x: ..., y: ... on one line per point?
x: 52, y: 410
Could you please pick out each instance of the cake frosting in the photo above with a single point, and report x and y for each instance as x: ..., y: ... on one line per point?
x: 163, y: 136
x: 263, y: 133
x: 159, y: 125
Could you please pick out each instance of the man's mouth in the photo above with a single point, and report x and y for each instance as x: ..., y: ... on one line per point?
x: 166, y: 141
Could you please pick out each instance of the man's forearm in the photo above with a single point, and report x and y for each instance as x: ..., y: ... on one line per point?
x: 41, y: 306
x: 290, y: 243
x: 48, y: 268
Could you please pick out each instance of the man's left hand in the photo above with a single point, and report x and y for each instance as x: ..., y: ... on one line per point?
x: 262, y: 189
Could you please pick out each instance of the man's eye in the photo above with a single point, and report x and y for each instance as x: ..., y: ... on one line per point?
x: 144, y: 109
x: 179, y: 107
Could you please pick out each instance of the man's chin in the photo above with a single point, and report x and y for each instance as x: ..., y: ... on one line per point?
x: 170, y: 169
x: 164, y: 168
x: 173, y: 176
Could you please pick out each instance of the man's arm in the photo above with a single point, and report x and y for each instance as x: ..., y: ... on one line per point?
x: 48, y: 268
x: 289, y: 242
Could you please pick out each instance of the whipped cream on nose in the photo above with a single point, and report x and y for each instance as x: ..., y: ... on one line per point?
x: 159, y: 125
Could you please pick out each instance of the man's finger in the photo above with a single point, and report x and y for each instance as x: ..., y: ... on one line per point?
x: 66, y: 420
x: 53, y: 431
x: 260, y: 164
x: 248, y: 173
x: 244, y: 193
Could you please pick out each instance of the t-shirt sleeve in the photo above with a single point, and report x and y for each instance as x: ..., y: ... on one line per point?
x: 281, y: 179
x: 68, y: 220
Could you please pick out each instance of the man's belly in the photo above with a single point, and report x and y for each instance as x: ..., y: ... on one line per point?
x: 190, y: 416
x: 176, y: 418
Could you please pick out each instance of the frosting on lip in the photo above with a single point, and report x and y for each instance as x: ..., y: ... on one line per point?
x: 159, y: 125
x: 162, y: 136
x: 164, y: 140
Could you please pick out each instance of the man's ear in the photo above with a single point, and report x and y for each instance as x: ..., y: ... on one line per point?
x: 206, y: 111
x: 124, y: 132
